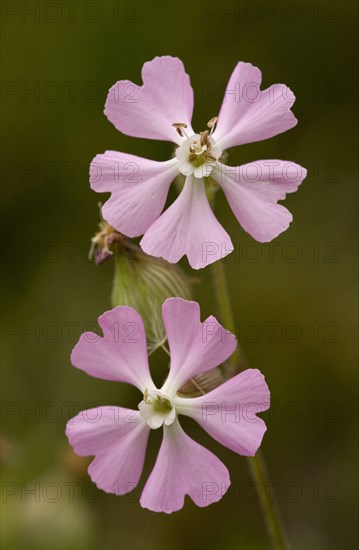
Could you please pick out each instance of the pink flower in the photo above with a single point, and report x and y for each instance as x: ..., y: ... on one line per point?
x: 117, y: 437
x: 162, y: 109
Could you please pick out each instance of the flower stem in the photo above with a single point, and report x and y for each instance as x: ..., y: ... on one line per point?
x: 268, y: 503
x: 223, y: 299
x: 256, y: 464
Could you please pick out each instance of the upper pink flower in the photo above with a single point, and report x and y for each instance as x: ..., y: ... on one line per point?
x: 162, y: 109
x: 117, y: 437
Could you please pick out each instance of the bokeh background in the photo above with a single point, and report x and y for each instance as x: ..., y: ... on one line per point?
x: 294, y: 300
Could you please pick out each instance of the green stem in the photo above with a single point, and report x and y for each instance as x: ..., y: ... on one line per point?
x: 268, y: 503
x: 256, y: 464
x: 224, y: 301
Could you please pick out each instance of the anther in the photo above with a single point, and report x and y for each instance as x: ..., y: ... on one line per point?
x: 179, y: 128
x: 212, y: 123
x: 204, y: 138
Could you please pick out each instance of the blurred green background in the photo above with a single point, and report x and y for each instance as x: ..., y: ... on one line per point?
x: 294, y: 300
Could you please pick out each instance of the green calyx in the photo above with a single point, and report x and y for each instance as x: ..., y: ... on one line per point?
x: 144, y: 283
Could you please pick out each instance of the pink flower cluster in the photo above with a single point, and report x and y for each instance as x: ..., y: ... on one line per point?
x: 117, y: 437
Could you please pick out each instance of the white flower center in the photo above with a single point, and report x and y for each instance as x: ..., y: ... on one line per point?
x: 199, y: 153
x: 157, y: 409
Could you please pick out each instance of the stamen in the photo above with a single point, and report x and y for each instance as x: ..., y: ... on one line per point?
x: 180, y: 128
x: 204, y: 138
x: 212, y: 123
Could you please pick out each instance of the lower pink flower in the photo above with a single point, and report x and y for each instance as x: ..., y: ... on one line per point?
x: 117, y: 437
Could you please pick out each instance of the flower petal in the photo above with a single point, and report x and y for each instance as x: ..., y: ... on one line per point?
x: 149, y: 111
x: 228, y: 413
x: 121, y: 353
x: 117, y: 438
x: 250, y: 114
x: 183, y: 467
x: 188, y: 227
x: 139, y: 189
x: 253, y: 190
x: 195, y: 347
